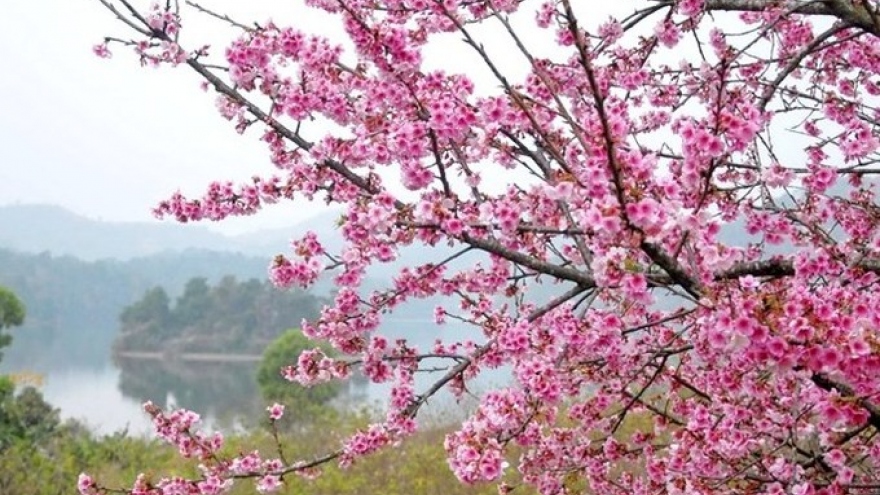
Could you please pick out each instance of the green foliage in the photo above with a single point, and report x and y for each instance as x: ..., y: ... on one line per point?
x: 231, y: 317
x: 304, y: 403
x: 194, y: 304
x: 149, y: 319
x: 54, y: 466
x: 24, y: 416
x: 51, y: 466
x: 11, y: 315
x: 153, y: 307
x: 418, y: 466
x: 11, y: 309
x: 40, y: 455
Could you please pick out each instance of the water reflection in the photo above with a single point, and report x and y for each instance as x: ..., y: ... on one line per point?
x: 225, y: 392
x: 107, y: 394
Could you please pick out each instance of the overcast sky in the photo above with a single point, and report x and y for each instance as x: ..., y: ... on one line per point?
x: 108, y: 139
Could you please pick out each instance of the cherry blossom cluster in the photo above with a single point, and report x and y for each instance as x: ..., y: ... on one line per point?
x: 694, y: 182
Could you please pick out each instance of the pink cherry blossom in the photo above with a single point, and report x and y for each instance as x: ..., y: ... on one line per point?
x: 668, y: 216
x: 86, y: 485
x: 269, y: 484
x: 275, y: 411
x: 102, y: 50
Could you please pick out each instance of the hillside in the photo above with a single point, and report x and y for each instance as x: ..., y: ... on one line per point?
x: 39, y: 228
x: 231, y: 316
x: 53, y: 229
x: 58, y: 232
x: 73, y: 306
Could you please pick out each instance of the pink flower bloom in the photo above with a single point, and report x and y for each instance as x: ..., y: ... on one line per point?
x: 835, y: 458
x: 490, y: 468
x: 102, y: 50
x: 275, y: 411
x: 645, y: 215
x: 269, y: 484
x: 85, y: 484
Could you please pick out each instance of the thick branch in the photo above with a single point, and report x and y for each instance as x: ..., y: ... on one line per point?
x: 780, y: 268
x: 557, y: 271
x: 826, y: 383
x: 845, y: 10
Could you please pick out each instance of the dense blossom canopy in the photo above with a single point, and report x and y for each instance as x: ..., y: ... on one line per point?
x: 617, y: 171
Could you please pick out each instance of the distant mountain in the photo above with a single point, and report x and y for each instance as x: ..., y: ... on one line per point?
x: 46, y: 228
x: 274, y: 241
x: 53, y: 229
x: 60, y: 232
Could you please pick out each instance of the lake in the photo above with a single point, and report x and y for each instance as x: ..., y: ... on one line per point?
x: 107, y: 394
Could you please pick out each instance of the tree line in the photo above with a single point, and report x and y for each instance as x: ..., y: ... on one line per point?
x: 229, y: 317
x: 74, y: 305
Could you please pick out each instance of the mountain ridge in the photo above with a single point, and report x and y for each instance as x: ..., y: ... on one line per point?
x: 38, y: 228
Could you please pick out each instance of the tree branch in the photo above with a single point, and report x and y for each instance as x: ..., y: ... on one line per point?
x: 845, y: 10
x: 826, y: 383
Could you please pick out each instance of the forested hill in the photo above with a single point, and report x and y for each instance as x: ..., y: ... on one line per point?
x: 53, y: 229
x: 73, y: 306
x: 230, y: 317
x: 38, y: 228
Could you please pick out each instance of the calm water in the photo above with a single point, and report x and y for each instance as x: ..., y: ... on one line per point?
x: 108, y: 396
x: 93, y: 397
x: 110, y: 399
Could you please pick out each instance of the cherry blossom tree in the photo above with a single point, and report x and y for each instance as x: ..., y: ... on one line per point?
x: 609, y: 172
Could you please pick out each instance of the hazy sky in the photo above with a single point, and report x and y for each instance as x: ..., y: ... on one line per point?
x: 108, y: 139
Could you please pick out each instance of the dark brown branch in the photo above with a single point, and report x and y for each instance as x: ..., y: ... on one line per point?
x: 678, y: 275
x: 112, y: 8
x: 825, y: 383
x: 845, y: 10
x: 281, y: 129
x: 780, y: 268
x: 557, y: 271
